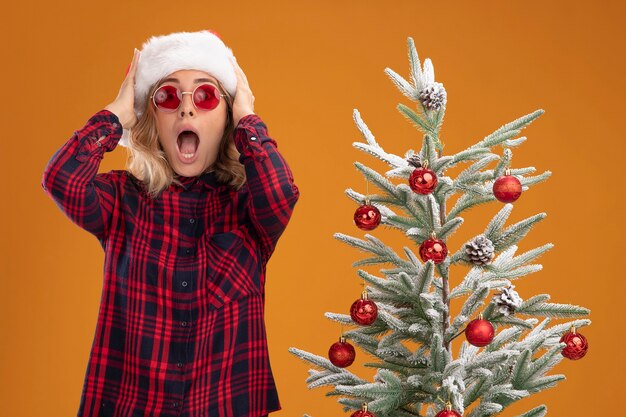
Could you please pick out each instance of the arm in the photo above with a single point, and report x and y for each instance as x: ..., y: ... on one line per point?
x: 272, y: 192
x: 71, y: 178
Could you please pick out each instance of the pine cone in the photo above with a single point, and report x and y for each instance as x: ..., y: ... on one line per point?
x: 508, y: 300
x: 479, y: 251
x: 415, y: 160
x: 433, y: 96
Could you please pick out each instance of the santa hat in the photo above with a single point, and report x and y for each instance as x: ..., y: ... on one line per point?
x: 162, y: 55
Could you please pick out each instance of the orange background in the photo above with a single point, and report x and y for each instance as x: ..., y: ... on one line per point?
x: 309, y: 67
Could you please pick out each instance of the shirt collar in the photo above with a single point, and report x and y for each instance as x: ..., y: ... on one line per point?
x: 206, y: 179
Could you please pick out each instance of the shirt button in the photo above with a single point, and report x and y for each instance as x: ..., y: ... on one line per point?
x: 183, y: 323
x: 175, y: 404
x: 192, y: 220
x: 114, y: 125
x: 179, y: 364
x: 184, y: 283
x: 188, y: 251
x: 253, y: 138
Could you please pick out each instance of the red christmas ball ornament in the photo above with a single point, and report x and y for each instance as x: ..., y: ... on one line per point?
x: 479, y: 332
x: 576, y: 345
x: 423, y: 180
x: 362, y: 412
x: 367, y: 216
x: 341, y: 353
x: 364, y: 311
x: 448, y: 412
x: 507, y: 188
x: 433, y: 249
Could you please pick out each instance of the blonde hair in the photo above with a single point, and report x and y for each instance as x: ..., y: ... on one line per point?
x: 148, y: 162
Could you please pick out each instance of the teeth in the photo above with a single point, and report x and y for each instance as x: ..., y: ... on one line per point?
x: 186, y: 155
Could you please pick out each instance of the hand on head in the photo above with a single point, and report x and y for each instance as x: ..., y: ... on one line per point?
x: 124, y: 103
x: 244, y: 99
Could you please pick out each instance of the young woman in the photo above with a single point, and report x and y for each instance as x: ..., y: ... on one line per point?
x: 187, y: 232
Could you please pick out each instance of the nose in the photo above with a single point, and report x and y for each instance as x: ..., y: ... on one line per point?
x: 186, y: 106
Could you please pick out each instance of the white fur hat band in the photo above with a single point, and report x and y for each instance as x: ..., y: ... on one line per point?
x: 162, y: 55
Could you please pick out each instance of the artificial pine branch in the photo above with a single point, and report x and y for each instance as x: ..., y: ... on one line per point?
x: 536, y: 412
x: 507, y: 131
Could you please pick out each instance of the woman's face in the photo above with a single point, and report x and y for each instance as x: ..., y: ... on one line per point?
x: 188, y: 154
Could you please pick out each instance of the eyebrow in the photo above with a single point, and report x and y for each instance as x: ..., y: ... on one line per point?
x: 197, y: 80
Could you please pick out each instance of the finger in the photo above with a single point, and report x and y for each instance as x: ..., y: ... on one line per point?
x: 244, y: 79
x: 239, y: 71
x: 133, y: 69
x: 240, y: 81
x: 236, y: 67
x: 243, y: 74
x: 131, y: 66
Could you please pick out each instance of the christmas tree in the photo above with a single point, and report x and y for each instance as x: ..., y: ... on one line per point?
x: 509, y: 342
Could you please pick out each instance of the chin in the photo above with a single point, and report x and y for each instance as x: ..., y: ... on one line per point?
x: 191, y: 170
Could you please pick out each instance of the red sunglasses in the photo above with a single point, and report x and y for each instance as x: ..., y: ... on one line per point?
x: 168, y: 98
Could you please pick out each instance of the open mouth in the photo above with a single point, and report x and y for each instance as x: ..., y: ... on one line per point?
x: 187, y: 144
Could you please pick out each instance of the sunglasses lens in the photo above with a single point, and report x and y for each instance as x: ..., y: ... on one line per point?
x: 166, y: 98
x: 206, y: 97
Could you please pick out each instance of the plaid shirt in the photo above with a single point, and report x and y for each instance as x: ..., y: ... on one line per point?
x: 180, y: 329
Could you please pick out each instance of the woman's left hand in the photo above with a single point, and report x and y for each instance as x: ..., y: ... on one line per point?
x: 244, y: 99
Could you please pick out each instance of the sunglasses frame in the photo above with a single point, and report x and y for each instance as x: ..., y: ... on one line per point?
x: 182, y: 94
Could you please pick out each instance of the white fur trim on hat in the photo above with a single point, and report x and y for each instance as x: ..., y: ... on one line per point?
x: 162, y: 55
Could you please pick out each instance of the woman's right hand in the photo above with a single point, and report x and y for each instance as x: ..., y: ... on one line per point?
x: 124, y: 105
